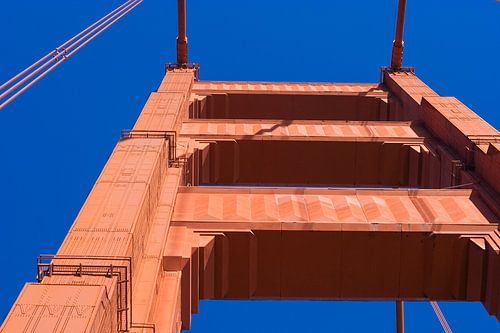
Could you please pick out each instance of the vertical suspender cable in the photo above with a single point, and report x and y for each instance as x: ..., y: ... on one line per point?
x: 400, y: 316
x: 65, y: 51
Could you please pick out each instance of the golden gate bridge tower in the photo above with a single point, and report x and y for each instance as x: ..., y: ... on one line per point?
x: 281, y: 191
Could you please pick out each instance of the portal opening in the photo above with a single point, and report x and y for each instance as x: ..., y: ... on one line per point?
x: 288, y: 107
x: 306, y: 163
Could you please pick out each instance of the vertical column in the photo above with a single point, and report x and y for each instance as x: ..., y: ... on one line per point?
x: 397, y: 47
x: 182, y: 44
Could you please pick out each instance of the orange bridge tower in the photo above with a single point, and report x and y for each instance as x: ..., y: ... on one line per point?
x: 259, y: 190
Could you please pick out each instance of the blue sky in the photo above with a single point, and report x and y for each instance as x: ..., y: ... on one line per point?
x: 55, y: 139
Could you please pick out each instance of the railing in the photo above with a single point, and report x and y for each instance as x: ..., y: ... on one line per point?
x: 170, y: 66
x: 47, y: 265
x: 389, y: 69
x: 170, y: 136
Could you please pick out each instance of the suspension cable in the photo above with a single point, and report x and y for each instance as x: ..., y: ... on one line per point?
x: 59, y: 52
x: 63, y: 52
x: 55, y: 51
x: 441, y: 317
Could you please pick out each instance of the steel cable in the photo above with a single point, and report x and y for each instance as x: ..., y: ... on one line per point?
x: 54, y: 52
x: 62, y: 53
x: 441, y: 317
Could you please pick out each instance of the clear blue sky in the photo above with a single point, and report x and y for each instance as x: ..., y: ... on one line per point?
x: 56, y: 138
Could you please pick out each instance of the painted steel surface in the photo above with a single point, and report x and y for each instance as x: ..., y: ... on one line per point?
x: 149, y: 242
x: 316, y: 206
x: 368, y: 89
x: 308, y: 130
